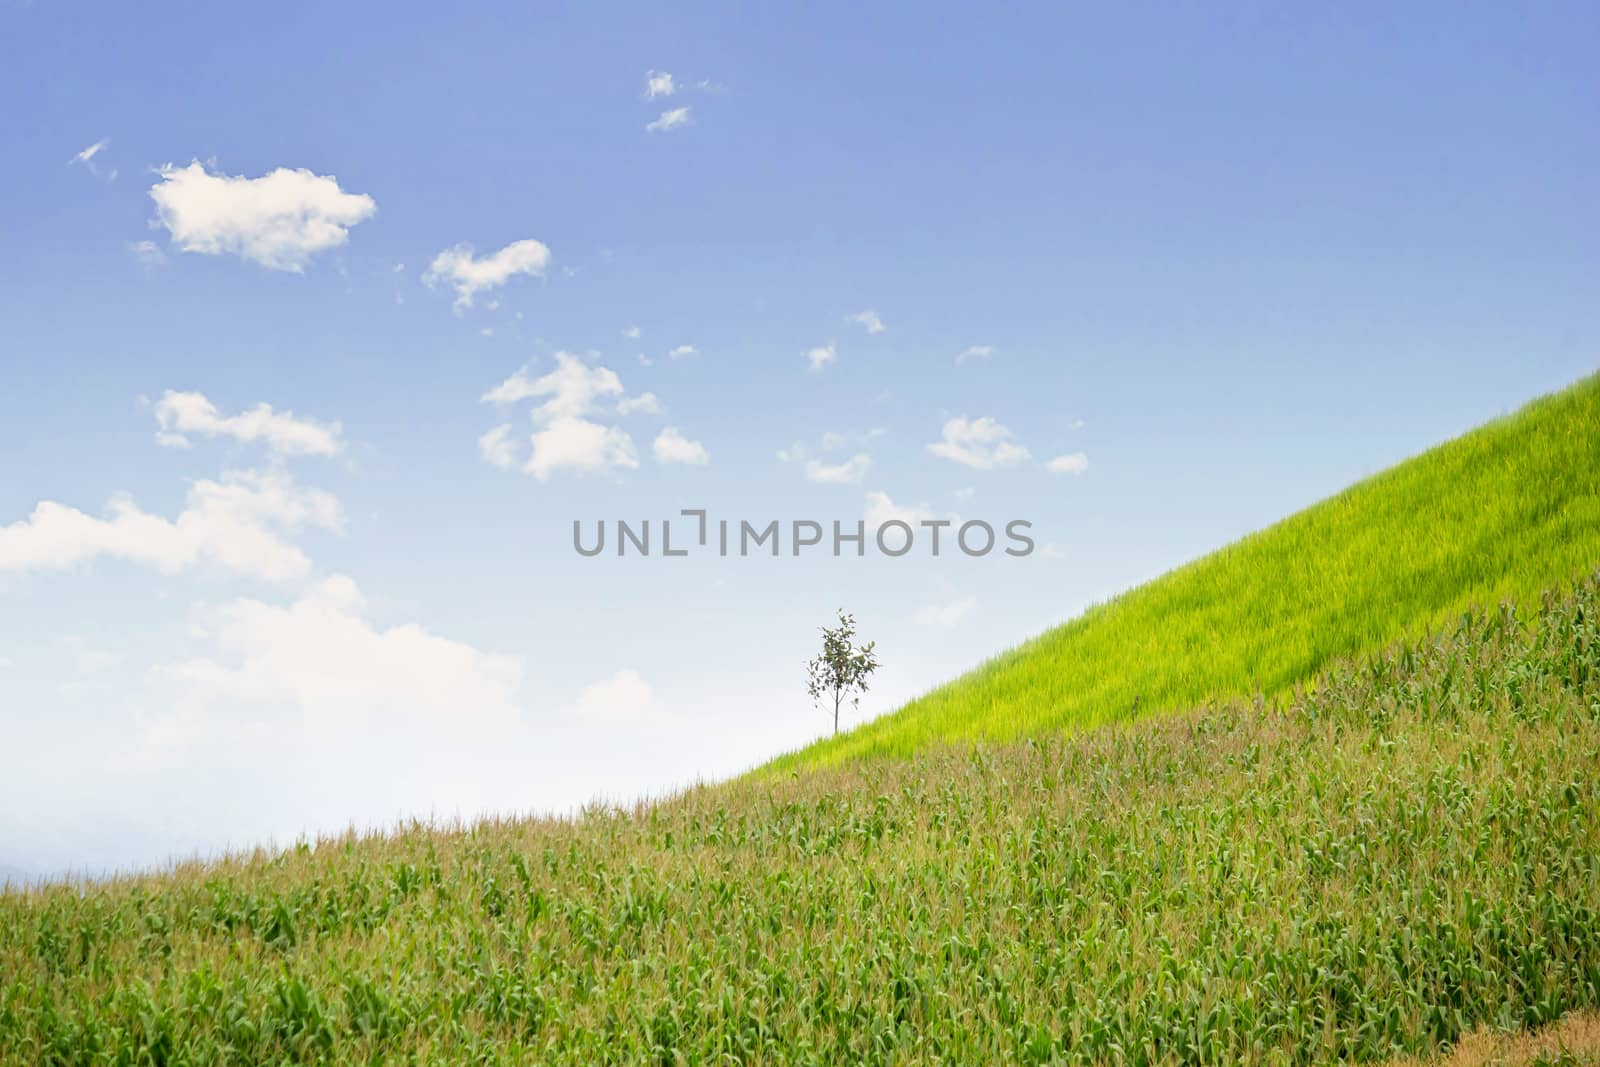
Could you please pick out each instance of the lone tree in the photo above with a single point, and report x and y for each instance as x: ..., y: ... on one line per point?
x: 842, y: 669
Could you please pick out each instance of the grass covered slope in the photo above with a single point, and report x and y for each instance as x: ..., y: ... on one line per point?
x: 1405, y: 852
x: 1502, y: 512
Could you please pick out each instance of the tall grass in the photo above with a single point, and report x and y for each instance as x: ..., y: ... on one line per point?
x: 1407, y: 850
x: 1502, y: 512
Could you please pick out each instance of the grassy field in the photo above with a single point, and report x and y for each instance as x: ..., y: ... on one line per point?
x: 1391, y: 858
x: 1502, y: 512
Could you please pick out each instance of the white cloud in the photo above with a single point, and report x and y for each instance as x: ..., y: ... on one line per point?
x: 577, y: 444
x: 574, y: 388
x: 821, y: 356
x: 234, y: 524
x: 633, y: 333
x: 497, y: 448
x: 945, y: 614
x: 86, y: 159
x: 966, y: 495
x: 658, y: 83
x: 148, y: 253
x: 850, y: 472
x: 279, y: 220
x: 681, y: 352
x: 880, y: 509
x: 978, y: 443
x: 567, y: 437
x: 624, y: 699
x: 672, y: 447
x: 1075, y: 424
x: 669, y: 120
x: 322, y: 655
x: 459, y: 268
x: 88, y: 154
x: 1071, y: 463
x: 644, y: 403
x: 283, y: 432
x: 975, y: 352
x: 869, y: 319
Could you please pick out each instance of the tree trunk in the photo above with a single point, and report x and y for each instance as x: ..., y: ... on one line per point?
x: 835, y: 714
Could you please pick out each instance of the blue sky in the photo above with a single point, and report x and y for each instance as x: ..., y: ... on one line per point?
x: 1227, y: 260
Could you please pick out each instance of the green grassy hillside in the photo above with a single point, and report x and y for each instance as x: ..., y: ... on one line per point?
x: 1503, y: 512
x: 1407, y: 851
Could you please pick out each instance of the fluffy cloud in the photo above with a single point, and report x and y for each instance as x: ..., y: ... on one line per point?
x: 579, y: 445
x: 868, y: 319
x: 624, y: 699
x: 975, y: 352
x: 1071, y: 463
x: 821, y: 356
x: 567, y: 436
x: 234, y: 524
x: 681, y: 351
x: 632, y: 333
x: 978, y: 443
x: 945, y: 614
x: 669, y: 120
x: 323, y: 656
x: 658, y: 83
x: 281, y: 431
x: 279, y: 220
x: 850, y: 472
x: 880, y: 509
x: 469, y: 275
x: 672, y: 447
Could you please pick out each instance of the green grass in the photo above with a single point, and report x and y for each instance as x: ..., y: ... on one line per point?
x: 1404, y: 852
x: 1503, y: 512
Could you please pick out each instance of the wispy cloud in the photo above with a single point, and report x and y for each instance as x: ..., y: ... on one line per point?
x: 850, y: 472
x: 821, y: 356
x: 869, y: 319
x: 975, y: 352
x: 86, y: 159
x: 283, y: 432
x: 669, y: 120
x: 643, y: 404
x: 147, y: 253
x: 1071, y: 463
x: 88, y: 154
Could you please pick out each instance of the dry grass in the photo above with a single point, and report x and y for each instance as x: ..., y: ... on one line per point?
x: 1572, y: 1042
